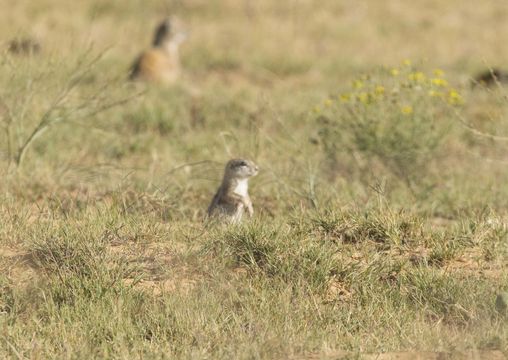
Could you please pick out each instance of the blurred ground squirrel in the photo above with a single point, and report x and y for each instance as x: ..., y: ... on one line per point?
x: 24, y: 46
x: 232, y: 197
x: 491, y: 77
x: 162, y: 62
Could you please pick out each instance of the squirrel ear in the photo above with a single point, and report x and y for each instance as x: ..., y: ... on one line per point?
x: 162, y: 31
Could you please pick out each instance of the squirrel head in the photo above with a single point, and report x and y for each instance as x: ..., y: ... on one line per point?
x: 240, y: 169
x: 169, y: 30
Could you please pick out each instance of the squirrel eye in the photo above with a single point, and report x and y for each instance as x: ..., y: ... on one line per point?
x: 242, y: 163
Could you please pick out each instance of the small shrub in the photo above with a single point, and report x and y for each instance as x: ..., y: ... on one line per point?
x: 6, y: 296
x: 396, y: 117
x: 278, y: 254
x: 38, y: 101
x: 251, y: 246
x: 383, y: 227
x: 78, y: 266
x: 440, y: 296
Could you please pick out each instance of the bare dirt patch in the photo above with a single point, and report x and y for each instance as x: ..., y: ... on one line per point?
x: 17, y: 265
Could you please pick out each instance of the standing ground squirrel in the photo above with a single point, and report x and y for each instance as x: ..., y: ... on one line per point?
x: 162, y: 62
x: 232, y: 197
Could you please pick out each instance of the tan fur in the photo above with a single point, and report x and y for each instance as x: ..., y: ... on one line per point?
x: 232, y: 199
x: 155, y: 65
x: 161, y: 63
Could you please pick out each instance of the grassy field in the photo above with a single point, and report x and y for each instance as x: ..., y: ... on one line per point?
x: 381, y: 207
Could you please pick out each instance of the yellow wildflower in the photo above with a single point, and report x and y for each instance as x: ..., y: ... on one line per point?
x: 454, y: 98
x: 363, y: 97
x: 328, y: 102
x: 394, y: 72
x: 406, y: 110
x: 344, y: 98
x: 317, y: 109
x: 433, y: 93
x: 358, y: 84
x: 379, y: 90
x: 417, y: 76
x: 439, y: 82
x: 406, y: 62
x: 438, y: 72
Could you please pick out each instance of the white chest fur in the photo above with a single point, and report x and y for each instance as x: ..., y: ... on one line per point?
x: 242, y: 188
